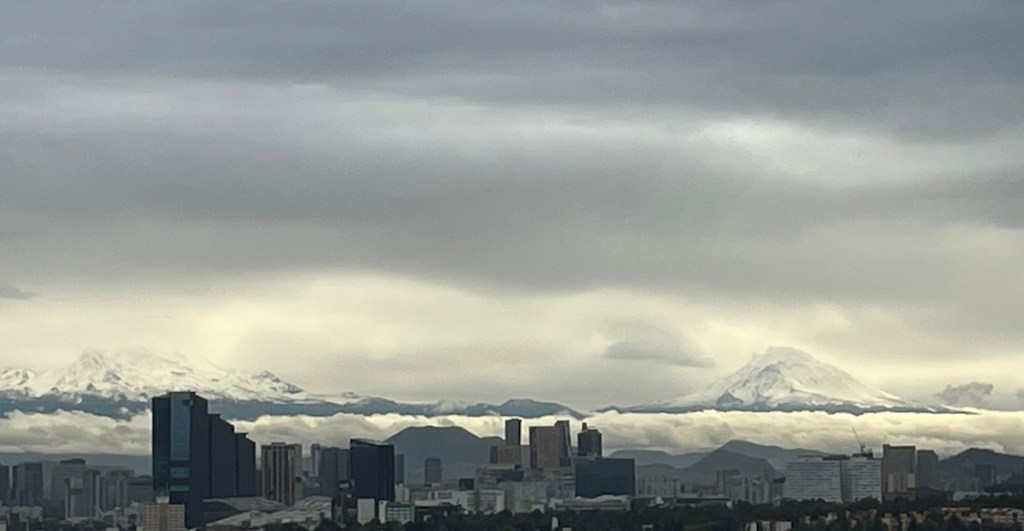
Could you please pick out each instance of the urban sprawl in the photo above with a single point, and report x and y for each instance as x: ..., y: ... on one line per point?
x: 205, y: 475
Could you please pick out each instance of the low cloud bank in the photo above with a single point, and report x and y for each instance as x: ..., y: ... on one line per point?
x: 70, y: 432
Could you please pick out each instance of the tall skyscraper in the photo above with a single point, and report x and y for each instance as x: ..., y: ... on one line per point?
x: 514, y: 432
x: 181, y: 452
x: 433, y: 470
x: 5, y: 484
x: 27, y: 484
x: 862, y: 478
x: 246, y: 482
x: 588, y: 442
x: 898, y: 469
x: 927, y: 473
x: 61, y: 472
x: 564, y: 443
x: 545, y: 447
x: 223, y: 462
x: 372, y: 469
x: 966, y: 480
x: 281, y: 472
x: 399, y: 469
x: 114, y: 492
x: 314, y: 459
x: 333, y: 470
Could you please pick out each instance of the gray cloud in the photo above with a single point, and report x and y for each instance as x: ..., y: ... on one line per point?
x: 741, y: 155
x: 14, y: 292
x: 973, y: 394
x: 628, y: 350
x: 920, y: 67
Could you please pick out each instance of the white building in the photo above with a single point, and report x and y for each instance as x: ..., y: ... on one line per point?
x: 812, y: 478
x: 862, y: 478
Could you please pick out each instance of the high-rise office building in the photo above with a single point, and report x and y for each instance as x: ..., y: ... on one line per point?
x: 223, y: 462
x: 246, y: 482
x: 514, y: 432
x: 433, y: 470
x: 564, y: 443
x: 114, y: 492
x: 986, y: 475
x: 314, y: 459
x: 83, y: 495
x: 372, y: 470
x: 605, y: 476
x: 399, y: 469
x: 813, y: 478
x: 60, y: 474
x: 545, y: 447
x: 861, y: 478
x: 898, y: 464
x: 588, y: 442
x: 333, y: 470
x: 281, y: 472
x: 181, y: 452
x: 5, y: 484
x: 926, y: 474
x: 510, y: 451
x: 966, y: 480
x: 27, y: 484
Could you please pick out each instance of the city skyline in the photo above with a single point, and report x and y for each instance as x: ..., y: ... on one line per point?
x: 592, y: 204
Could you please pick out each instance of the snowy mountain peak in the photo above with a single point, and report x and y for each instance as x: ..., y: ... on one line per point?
x: 136, y: 376
x: 789, y: 379
x: 270, y: 379
x: 782, y: 356
x: 17, y: 381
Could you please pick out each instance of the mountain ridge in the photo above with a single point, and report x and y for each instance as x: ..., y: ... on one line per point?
x: 120, y: 385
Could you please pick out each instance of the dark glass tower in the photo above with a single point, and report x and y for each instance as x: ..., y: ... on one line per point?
x: 334, y: 463
x: 246, y: 482
x: 564, y: 443
x: 27, y: 486
x: 181, y: 452
x: 5, y: 484
x: 223, y: 474
x: 600, y: 476
x: 588, y: 442
x: 372, y: 468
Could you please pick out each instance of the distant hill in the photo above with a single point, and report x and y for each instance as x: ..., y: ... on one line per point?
x: 658, y: 457
x: 1005, y: 464
x: 776, y: 455
x: 461, y: 452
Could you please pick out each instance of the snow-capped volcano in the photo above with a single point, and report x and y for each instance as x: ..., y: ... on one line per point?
x: 787, y: 379
x: 122, y: 384
x: 16, y: 381
x: 138, y: 377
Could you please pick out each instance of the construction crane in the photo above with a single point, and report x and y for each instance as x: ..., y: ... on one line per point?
x: 864, y: 450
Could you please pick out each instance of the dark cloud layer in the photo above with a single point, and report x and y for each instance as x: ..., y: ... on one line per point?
x: 924, y: 68
x: 742, y: 153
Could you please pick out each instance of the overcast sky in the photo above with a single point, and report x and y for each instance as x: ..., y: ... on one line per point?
x: 587, y: 202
